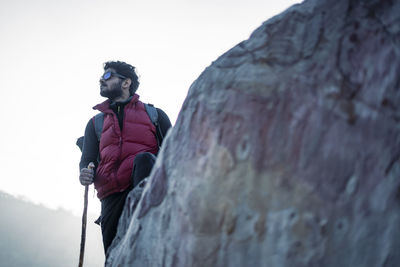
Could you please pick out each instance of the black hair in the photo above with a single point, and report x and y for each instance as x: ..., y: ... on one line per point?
x: 126, y: 70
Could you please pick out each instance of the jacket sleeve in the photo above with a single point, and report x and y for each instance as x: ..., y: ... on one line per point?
x: 90, y: 150
x: 165, y: 123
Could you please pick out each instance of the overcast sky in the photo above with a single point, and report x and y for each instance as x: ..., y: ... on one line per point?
x: 52, y: 53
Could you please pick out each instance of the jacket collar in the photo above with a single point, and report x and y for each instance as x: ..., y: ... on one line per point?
x: 105, y: 106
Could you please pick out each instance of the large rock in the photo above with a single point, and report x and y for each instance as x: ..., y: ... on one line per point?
x: 286, y: 151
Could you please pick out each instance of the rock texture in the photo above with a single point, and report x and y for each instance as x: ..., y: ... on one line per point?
x: 286, y: 151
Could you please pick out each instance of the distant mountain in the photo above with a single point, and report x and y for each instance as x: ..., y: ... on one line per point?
x: 35, y: 236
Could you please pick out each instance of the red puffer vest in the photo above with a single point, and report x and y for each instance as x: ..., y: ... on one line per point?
x: 118, y: 148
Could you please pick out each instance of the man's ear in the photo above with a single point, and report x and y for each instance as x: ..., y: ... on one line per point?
x: 126, y: 83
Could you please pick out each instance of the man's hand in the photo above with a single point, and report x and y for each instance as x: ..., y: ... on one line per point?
x: 87, y: 174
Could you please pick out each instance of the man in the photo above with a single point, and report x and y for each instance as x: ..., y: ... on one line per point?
x: 126, y: 151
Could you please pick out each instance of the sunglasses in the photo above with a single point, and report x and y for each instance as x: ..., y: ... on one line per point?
x: 107, y: 75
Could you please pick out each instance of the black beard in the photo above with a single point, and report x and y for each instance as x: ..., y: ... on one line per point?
x: 112, y: 92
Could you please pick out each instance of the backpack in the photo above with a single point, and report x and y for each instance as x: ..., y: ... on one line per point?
x: 99, y: 120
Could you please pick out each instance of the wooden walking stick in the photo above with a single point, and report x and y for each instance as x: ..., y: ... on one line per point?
x: 84, y: 220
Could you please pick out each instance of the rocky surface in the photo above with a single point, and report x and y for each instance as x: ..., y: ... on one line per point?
x: 286, y: 151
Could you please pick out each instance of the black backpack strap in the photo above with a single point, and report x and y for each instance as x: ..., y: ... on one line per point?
x: 153, y: 114
x: 98, y: 124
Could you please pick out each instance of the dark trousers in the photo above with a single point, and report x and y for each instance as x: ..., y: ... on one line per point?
x: 112, y: 206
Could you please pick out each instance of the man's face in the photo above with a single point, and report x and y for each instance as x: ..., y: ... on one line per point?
x: 111, y: 88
